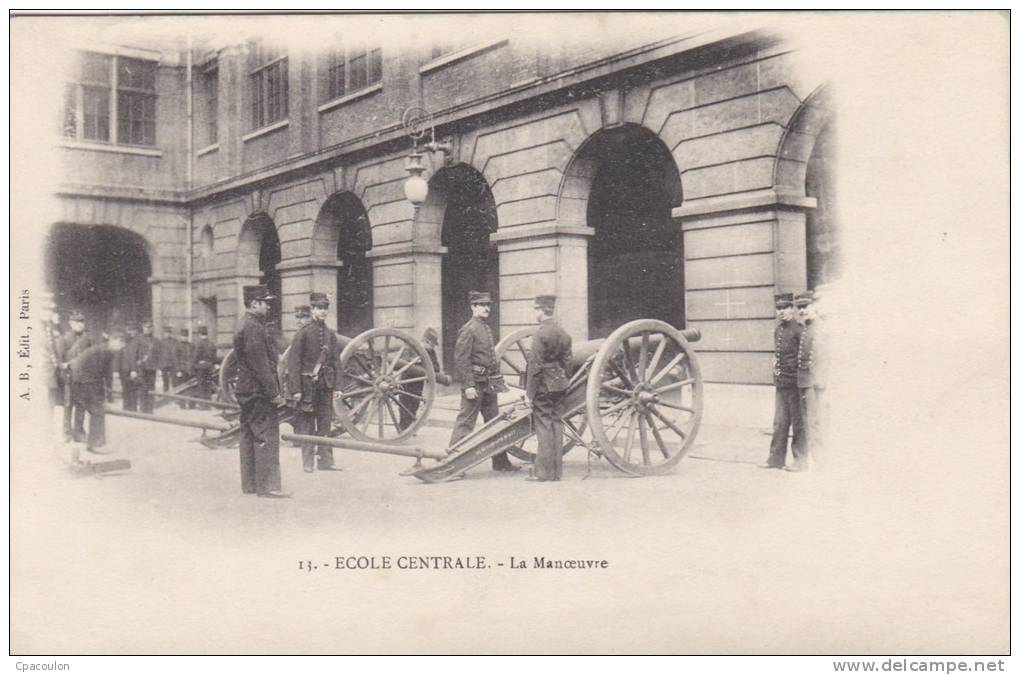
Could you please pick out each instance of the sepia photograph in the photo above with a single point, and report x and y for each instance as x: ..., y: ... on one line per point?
x: 513, y: 333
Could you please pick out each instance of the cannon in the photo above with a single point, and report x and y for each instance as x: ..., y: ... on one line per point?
x: 634, y: 398
x: 375, y: 402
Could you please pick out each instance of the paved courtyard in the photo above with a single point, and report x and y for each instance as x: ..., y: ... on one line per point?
x: 719, y: 556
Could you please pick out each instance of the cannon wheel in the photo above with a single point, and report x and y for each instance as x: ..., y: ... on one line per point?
x: 373, y: 379
x: 228, y: 378
x: 512, y: 356
x: 645, y: 397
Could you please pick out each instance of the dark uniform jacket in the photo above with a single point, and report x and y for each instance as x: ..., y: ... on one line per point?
x: 91, y: 364
x: 51, y: 345
x: 166, y: 353
x: 313, y: 344
x: 203, y: 356
x: 141, y: 354
x: 805, y: 356
x: 550, y: 348
x: 474, y: 355
x: 73, y: 344
x: 787, y: 345
x: 182, y: 356
x: 256, y: 360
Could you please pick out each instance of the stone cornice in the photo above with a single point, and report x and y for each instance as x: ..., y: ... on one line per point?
x: 740, y: 201
x: 407, y: 249
x: 122, y: 193
x: 541, y: 230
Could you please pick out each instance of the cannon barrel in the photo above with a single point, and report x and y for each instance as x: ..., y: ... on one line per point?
x: 351, y: 444
x: 193, y: 399
x: 177, y: 421
x: 583, y: 351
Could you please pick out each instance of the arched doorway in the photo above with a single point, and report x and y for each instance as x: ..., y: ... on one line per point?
x: 823, y: 255
x: 344, y: 218
x: 102, y: 270
x: 259, y: 253
x: 471, y: 261
x: 635, y: 258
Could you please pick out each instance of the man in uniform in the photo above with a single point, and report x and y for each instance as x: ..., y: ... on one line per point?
x: 88, y: 378
x: 51, y: 344
x: 548, y: 376
x: 312, y: 364
x: 166, y: 353
x: 128, y: 387
x: 203, y: 363
x: 787, y: 411
x: 805, y: 378
x: 142, y: 358
x: 182, y: 363
x: 474, y: 364
x: 258, y: 394
x: 71, y: 345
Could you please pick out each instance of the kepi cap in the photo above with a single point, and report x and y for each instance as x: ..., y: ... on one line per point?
x: 479, y: 298
x: 318, y: 300
x: 804, y: 299
x: 76, y: 315
x: 545, y: 302
x: 260, y: 292
x: 302, y: 311
x: 784, y: 300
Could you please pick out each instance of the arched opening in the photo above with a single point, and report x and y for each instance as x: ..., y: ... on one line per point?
x: 823, y: 254
x: 207, y: 244
x: 471, y: 261
x: 102, y: 270
x: 259, y: 253
x: 635, y: 258
x: 344, y: 219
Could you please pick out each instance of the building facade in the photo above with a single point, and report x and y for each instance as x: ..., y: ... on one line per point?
x: 686, y: 179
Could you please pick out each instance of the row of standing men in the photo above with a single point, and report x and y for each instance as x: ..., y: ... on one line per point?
x: 313, y: 374
x: 83, y: 365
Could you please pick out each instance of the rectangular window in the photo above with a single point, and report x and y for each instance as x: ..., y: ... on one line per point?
x: 353, y: 69
x: 269, y: 87
x: 110, y: 85
x: 211, y: 88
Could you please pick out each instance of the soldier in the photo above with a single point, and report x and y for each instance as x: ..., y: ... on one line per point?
x: 409, y: 400
x: 548, y: 377
x: 302, y: 316
x: 312, y: 377
x: 475, y: 363
x: 88, y: 377
x: 203, y: 364
x: 166, y: 350
x: 142, y: 358
x: 128, y: 387
x: 51, y: 344
x: 258, y: 394
x: 182, y: 363
x: 71, y: 345
x: 787, y: 411
x: 805, y: 378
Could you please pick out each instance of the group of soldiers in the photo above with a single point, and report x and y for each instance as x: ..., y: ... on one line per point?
x: 84, y: 364
x: 800, y: 373
x: 312, y: 379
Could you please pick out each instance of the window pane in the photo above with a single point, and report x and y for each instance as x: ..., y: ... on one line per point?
x: 136, y: 74
x: 136, y: 123
x: 96, y: 104
x: 95, y: 68
x: 336, y: 80
x: 359, y: 71
x: 212, y: 83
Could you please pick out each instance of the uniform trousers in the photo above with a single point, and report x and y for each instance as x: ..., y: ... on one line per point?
x: 178, y: 381
x: 317, y: 422
x: 145, y: 388
x: 260, y: 446
x: 547, y: 411
x: 787, y: 415
x: 485, y: 403
x: 168, y: 379
x: 205, y: 379
x: 129, y: 391
x: 89, y: 397
x: 812, y: 400
x: 409, y: 401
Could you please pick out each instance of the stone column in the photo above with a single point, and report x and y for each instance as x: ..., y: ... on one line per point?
x: 168, y: 299
x: 542, y: 259
x: 407, y: 286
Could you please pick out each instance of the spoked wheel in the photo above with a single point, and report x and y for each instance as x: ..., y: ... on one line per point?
x: 388, y: 386
x: 645, y: 397
x: 512, y: 355
x: 228, y: 378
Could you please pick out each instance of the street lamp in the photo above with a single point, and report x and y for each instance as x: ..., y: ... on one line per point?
x: 418, y: 122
